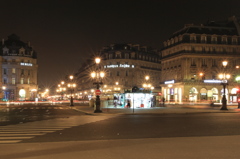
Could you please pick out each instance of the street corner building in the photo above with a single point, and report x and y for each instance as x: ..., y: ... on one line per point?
x: 126, y: 66
x: 19, y: 70
x: 192, y: 58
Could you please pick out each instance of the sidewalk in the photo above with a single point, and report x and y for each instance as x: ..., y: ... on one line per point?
x: 174, y: 109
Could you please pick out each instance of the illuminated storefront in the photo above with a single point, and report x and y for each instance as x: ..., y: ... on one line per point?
x: 204, y: 91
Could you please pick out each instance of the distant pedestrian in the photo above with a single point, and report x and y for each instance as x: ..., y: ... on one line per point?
x: 163, y: 101
x: 128, y: 104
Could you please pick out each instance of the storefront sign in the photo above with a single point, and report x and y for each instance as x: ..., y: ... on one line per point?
x: 25, y: 64
x: 212, y: 81
x: 120, y: 65
x: 169, y: 82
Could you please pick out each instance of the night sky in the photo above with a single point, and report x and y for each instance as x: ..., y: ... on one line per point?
x: 66, y: 32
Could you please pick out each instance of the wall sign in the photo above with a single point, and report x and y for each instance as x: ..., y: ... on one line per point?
x: 120, y: 65
x: 26, y: 64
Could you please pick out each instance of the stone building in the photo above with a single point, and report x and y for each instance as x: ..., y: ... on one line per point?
x: 19, y: 69
x: 126, y: 64
x: 191, y: 61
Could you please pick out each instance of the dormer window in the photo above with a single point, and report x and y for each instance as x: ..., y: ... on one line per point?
x: 214, y: 39
x: 5, y: 50
x: 118, y: 54
x: 234, y: 40
x: 203, y: 39
x: 193, y: 38
x: 224, y: 40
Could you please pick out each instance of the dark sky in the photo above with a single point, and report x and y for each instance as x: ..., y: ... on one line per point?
x: 66, y: 32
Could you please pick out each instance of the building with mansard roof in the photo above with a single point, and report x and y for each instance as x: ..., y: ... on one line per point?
x: 19, y: 69
x: 126, y: 64
x: 191, y: 61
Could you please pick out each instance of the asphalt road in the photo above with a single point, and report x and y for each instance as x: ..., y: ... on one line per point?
x: 28, y: 113
x: 70, y: 134
x: 149, y: 126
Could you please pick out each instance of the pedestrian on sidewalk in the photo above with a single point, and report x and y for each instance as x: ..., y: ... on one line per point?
x: 128, y: 103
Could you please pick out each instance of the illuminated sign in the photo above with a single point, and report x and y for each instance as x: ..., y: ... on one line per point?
x: 169, y: 82
x: 212, y: 81
x: 26, y: 64
x: 120, y: 65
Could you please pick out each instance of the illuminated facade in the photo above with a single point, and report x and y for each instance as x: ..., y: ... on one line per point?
x: 192, y: 59
x: 19, y: 69
x: 126, y: 66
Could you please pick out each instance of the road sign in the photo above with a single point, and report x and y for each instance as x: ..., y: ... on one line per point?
x: 97, y: 92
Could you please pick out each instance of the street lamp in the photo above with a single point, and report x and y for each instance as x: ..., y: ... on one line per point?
x: 147, y: 85
x: 71, y: 86
x: 98, y: 75
x: 224, y: 77
x: 61, y: 89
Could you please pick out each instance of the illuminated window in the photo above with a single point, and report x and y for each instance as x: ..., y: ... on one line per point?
x: 22, y: 81
x: 28, y: 81
x: 13, y: 81
x: 13, y: 70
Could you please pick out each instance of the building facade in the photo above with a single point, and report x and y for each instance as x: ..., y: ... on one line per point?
x: 19, y: 69
x: 191, y: 61
x: 125, y: 67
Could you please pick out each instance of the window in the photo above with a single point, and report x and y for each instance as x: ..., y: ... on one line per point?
x: 118, y: 74
x: 214, y: 39
x: 28, y: 81
x: 126, y: 73
x: 193, y: 38
x: 126, y: 56
x: 5, y: 80
x: 4, y: 71
x: 203, y: 39
x: 22, y: 81
x: 13, y: 70
x: 22, y: 71
x: 234, y: 40
x: 13, y: 80
x: 193, y: 63
x: 224, y: 40
x: 204, y: 62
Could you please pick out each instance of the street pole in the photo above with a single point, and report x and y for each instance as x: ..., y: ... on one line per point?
x: 224, y: 100
x: 71, y: 99
x: 98, y: 101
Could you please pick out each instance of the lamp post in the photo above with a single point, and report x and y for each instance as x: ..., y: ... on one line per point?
x: 98, y: 75
x: 224, y: 77
x: 61, y: 89
x: 147, y: 85
x: 71, y: 86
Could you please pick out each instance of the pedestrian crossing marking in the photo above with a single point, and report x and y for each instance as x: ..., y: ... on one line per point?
x: 18, y: 133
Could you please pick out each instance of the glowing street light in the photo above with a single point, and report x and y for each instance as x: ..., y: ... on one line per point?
x: 224, y: 77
